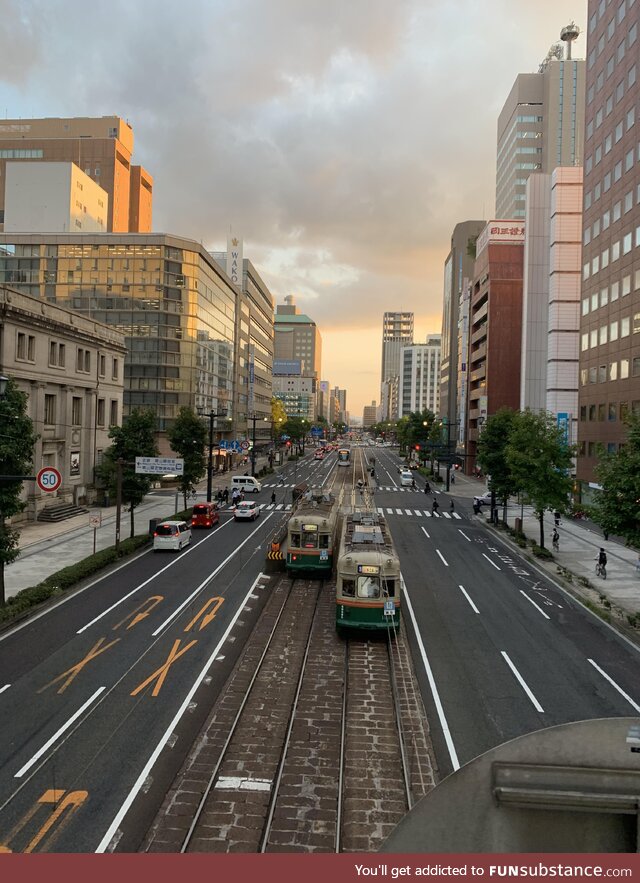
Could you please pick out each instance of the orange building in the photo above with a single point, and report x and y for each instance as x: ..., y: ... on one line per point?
x: 102, y: 147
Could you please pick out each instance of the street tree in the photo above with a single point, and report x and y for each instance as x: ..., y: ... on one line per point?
x: 17, y: 441
x: 188, y: 438
x: 296, y: 428
x: 135, y: 438
x: 492, y: 457
x: 540, y: 462
x: 617, y: 506
x: 278, y: 413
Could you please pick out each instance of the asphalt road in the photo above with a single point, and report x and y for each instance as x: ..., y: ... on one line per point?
x: 500, y: 649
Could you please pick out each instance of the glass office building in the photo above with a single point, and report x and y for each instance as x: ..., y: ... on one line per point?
x: 166, y: 295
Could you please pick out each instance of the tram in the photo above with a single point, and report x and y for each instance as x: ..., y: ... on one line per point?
x: 344, y: 457
x: 368, y: 581
x: 312, y: 534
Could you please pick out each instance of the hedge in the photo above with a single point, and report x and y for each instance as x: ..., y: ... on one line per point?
x: 55, y: 584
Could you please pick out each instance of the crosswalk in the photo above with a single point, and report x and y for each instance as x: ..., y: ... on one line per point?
x: 379, y: 487
x: 421, y: 513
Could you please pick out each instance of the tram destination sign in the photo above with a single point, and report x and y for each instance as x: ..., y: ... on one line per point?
x: 160, y: 465
x: 368, y: 568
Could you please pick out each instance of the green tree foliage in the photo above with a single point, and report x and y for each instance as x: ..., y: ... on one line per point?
x: 17, y: 440
x: 617, y: 506
x: 188, y: 438
x: 135, y: 438
x: 492, y: 454
x: 539, y: 461
x: 296, y: 428
x: 278, y: 413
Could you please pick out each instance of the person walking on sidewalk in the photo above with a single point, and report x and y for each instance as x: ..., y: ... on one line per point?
x: 555, y: 540
x: 601, y: 566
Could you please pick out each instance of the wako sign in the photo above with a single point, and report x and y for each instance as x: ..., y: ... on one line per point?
x: 234, y: 260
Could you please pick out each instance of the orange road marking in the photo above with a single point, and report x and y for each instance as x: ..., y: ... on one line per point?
x: 140, y: 612
x: 217, y: 602
x: 161, y: 673
x: 73, y: 672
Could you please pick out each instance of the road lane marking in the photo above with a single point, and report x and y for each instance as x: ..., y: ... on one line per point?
x: 126, y: 597
x: 206, y: 581
x: 6, y: 687
x: 490, y: 561
x: 418, y: 512
x: 455, y: 515
x: 142, y: 778
x: 466, y: 594
x: 468, y: 539
x: 389, y: 511
x: 614, y: 685
x: 59, y: 733
x: 425, y: 533
x: 398, y: 511
x: 531, y: 601
x: 453, y: 755
x: 523, y: 684
x: 408, y: 511
x: 441, y: 557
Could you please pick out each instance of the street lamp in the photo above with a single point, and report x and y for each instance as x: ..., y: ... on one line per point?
x: 212, y: 417
x: 253, y: 440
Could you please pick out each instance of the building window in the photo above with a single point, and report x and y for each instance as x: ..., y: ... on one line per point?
x: 49, y: 410
x: 113, y: 413
x: 613, y: 371
x: 103, y: 364
x: 636, y: 366
x: 101, y: 412
x: 602, y: 376
x: 624, y: 369
x: 62, y: 355
x: 53, y: 353
x: 76, y: 411
x: 114, y: 373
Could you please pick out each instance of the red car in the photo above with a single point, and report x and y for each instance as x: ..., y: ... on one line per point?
x: 204, y: 515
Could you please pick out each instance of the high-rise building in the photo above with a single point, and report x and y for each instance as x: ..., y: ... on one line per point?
x: 540, y: 127
x: 397, y: 331
x: 420, y: 376
x: 102, y: 147
x: 169, y: 298
x: 297, y: 339
x: 495, y: 327
x: 369, y: 415
x: 551, y: 296
x: 458, y: 270
x: 610, y: 308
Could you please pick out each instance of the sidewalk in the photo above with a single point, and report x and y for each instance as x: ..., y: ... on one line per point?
x: 46, y: 548
x: 580, y: 542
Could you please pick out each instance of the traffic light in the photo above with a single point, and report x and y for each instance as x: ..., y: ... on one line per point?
x: 288, y: 444
x: 417, y: 447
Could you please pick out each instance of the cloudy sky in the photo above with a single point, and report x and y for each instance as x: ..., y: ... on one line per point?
x: 341, y: 139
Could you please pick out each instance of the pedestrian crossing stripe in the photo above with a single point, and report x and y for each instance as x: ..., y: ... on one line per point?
x: 426, y: 512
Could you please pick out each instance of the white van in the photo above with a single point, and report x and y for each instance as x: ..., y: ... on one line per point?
x: 245, y: 483
x: 406, y: 478
x: 172, y: 535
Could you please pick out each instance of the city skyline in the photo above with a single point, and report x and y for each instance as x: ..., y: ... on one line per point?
x: 333, y: 153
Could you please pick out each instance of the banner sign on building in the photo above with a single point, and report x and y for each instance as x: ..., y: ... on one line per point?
x: 500, y: 231
x: 564, y: 425
x: 234, y: 260
x: 287, y: 366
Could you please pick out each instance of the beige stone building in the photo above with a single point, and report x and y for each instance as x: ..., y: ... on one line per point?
x: 102, y: 147
x: 72, y: 369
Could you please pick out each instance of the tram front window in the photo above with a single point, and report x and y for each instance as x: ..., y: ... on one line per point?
x: 368, y: 587
x: 324, y: 541
x: 295, y: 540
x: 309, y: 540
x: 349, y: 588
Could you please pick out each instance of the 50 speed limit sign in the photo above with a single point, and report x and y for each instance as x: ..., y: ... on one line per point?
x: 48, y: 479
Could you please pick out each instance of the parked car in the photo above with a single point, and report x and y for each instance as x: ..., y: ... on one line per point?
x: 204, y: 515
x: 482, y: 499
x: 172, y: 535
x: 246, y: 510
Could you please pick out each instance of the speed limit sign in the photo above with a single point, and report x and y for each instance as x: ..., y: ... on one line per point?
x: 48, y: 479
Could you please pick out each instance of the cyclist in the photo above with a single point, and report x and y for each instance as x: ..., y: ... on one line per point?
x: 555, y: 540
x: 601, y: 566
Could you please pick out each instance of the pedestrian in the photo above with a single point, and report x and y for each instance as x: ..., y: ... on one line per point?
x: 273, y: 498
x: 413, y: 484
x: 281, y: 479
x: 452, y: 507
x: 452, y: 478
x: 225, y: 495
x: 427, y: 488
x: 556, y: 516
x: 638, y: 564
x: 434, y: 507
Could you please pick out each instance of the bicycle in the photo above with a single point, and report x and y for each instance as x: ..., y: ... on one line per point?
x: 601, y: 570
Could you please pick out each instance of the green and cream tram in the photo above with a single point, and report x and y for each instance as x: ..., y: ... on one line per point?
x: 368, y: 581
x: 312, y: 534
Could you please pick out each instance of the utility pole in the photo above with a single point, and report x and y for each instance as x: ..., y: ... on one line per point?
x: 119, y: 464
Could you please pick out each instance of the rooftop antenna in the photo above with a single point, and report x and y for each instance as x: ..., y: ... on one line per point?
x: 568, y: 34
